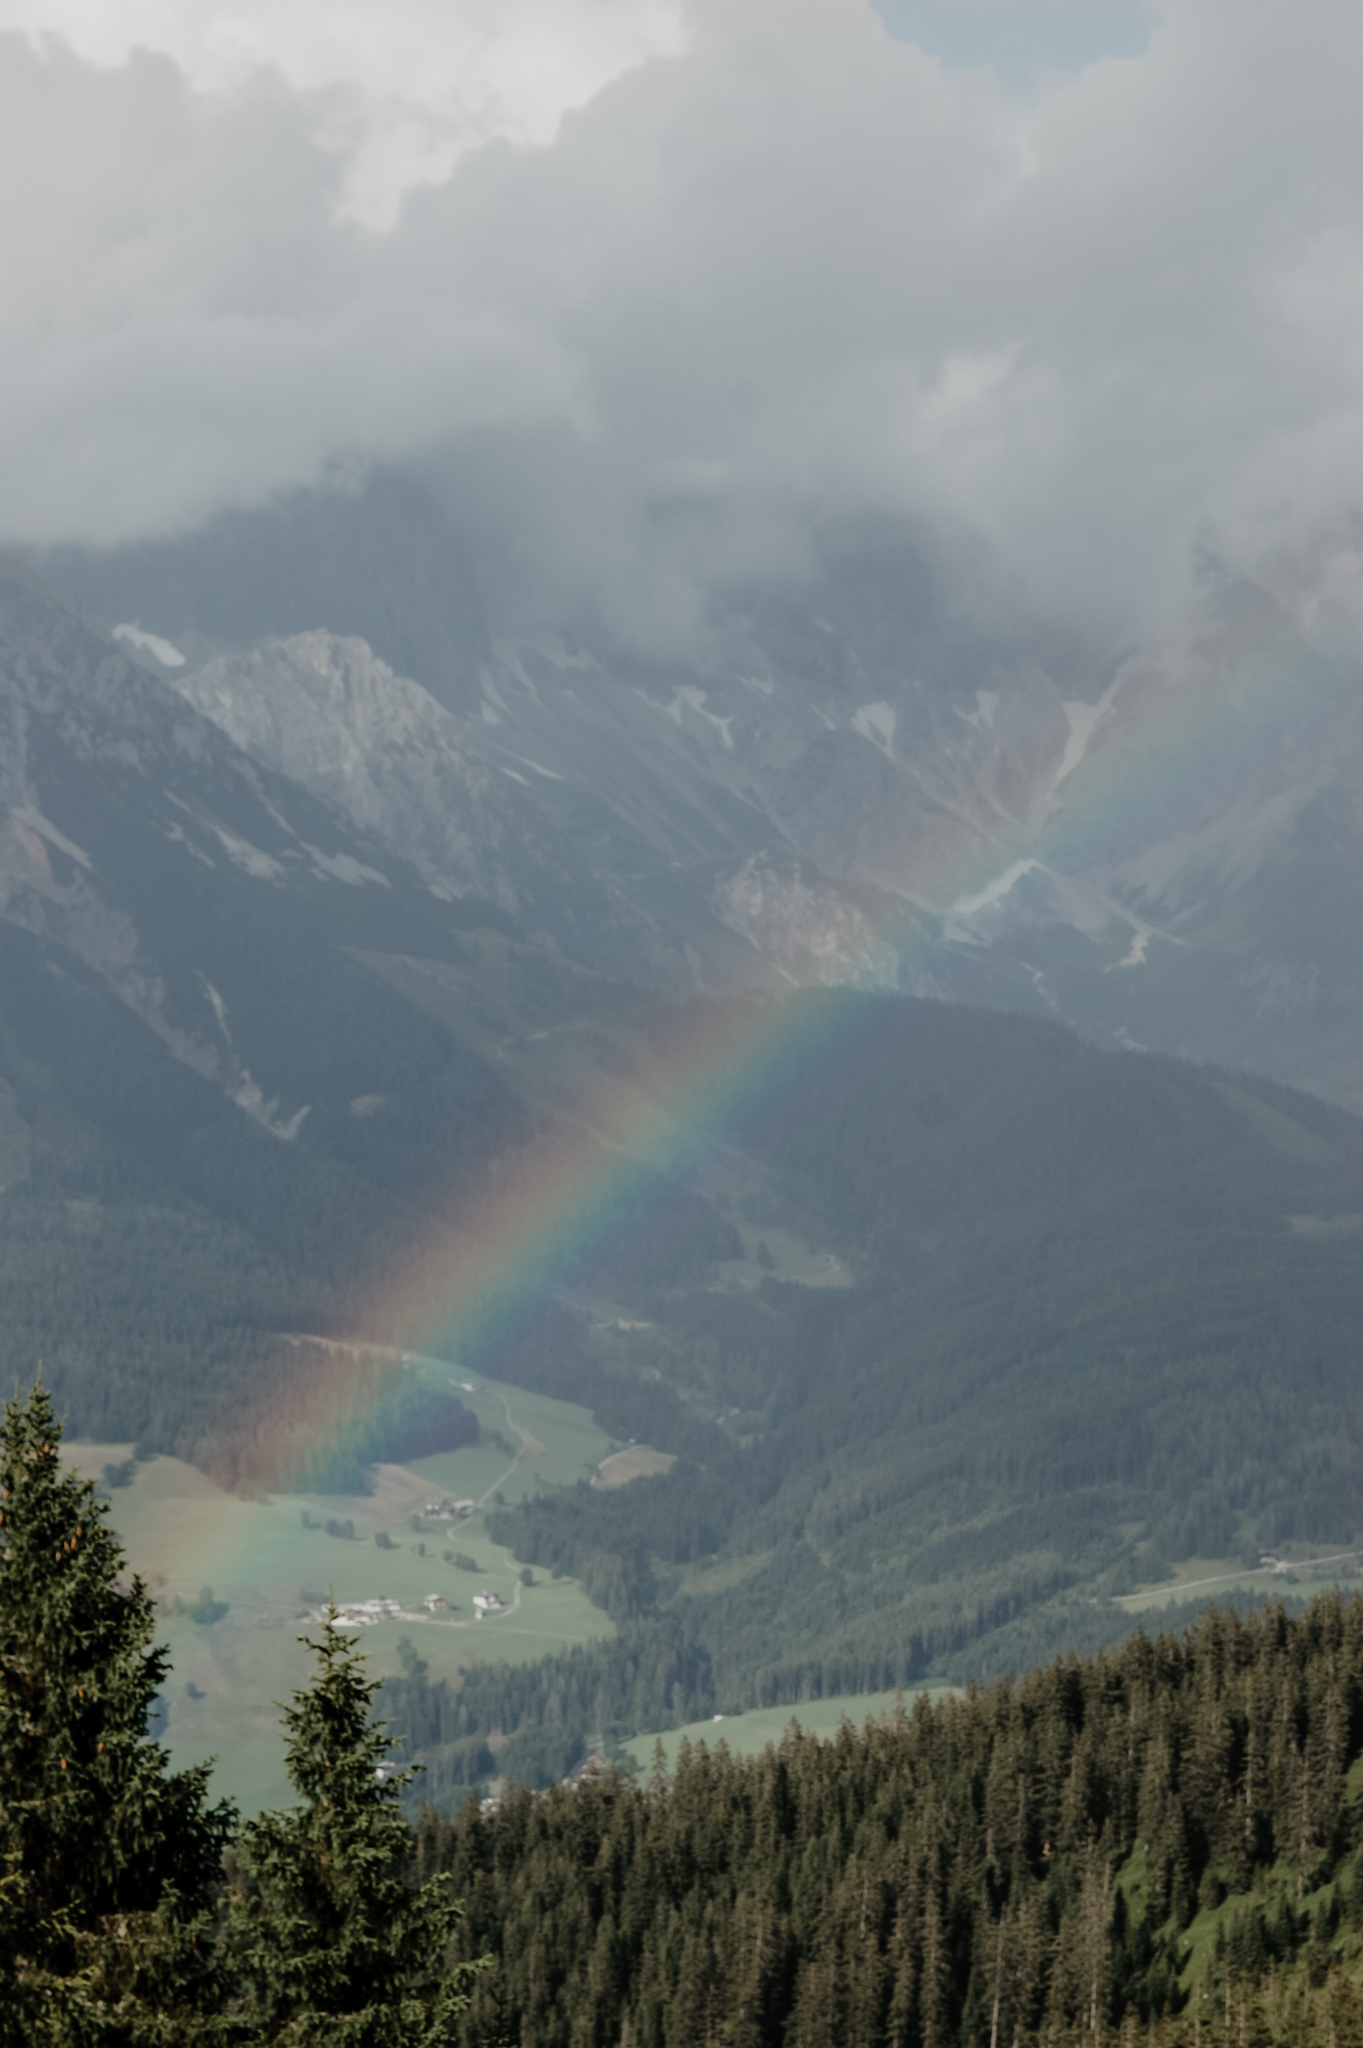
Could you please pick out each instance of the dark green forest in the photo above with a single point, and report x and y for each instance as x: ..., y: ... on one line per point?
x: 1163, y: 1842
x: 1103, y: 1318
x: 1086, y: 1342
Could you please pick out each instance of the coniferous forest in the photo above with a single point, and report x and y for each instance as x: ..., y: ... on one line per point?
x: 1102, y: 1319
x: 1162, y: 1842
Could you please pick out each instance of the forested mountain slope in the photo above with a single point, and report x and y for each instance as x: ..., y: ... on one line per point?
x: 1105, y: 1319
x: 1094, y: 1312
x: 184, y: 1038
x: 1164, y: 1837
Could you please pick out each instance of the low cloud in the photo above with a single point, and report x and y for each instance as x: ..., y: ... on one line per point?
x: 752, y: 266
x: 400, y: 91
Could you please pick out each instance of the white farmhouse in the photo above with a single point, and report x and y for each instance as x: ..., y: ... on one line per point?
x: 366, y: 1613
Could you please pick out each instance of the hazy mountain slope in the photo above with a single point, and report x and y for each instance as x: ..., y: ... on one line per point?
x: 382, y: 562
x: 490, y: 821
x: 198, y: 886
x: 857, y: 775
x: 1168, y: 853
x: 247, y: 1053
x: 189, y: 1054
x: 1088, y: 1338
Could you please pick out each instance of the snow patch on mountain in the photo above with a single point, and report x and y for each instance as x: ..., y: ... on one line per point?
x: 549, y: 774
x: 986, y: 704
x: 1084, y: 721
x: 876, y: 723
x: 24, y: 814
x: 1135, y: 954
x: 250, y: 859
x: 343, y: 867
x: 993, y: 893
x: 165, y: 651
x: 689, y: 698
x: 248, y: 1096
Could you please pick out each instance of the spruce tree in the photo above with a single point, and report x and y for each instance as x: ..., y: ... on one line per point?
x: 108, y: 1861
x: 332, y: 1942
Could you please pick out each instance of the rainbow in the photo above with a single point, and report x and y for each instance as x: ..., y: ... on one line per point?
x: 489, y: 1262
x: 588, y: 1178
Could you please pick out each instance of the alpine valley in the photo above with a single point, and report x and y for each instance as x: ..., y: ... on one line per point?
x: 977, y: 1311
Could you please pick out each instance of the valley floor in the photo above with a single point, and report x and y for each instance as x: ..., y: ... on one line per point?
x: 267, y: 1569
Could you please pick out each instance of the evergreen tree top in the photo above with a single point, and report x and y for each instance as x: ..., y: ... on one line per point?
x: 110, y: 1859
x: 333, y: 1941
x: 56, y: 1539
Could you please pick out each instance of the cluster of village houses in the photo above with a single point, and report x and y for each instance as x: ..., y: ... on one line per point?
x: 367, y: 1613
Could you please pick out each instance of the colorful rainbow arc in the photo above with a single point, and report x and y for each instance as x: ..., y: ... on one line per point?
x: 483, y: 1264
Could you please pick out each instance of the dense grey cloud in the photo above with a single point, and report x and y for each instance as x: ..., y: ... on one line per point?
x: 400, y: 90
x: 780, y: 267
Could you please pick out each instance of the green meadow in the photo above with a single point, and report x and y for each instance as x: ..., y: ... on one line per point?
x: 547, y: 1442
x: 637, y: 1461
x: 1220, y: 1579
x: 748, y: 1734
x: 268, y: 1568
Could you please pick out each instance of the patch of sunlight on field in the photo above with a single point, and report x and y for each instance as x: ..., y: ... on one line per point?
x: 183, y: 1533
x: 748, y: 1734
x: 638, y: 1461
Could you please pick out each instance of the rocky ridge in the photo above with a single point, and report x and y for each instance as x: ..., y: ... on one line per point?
x: 139, y: 845
x: 855, y: 776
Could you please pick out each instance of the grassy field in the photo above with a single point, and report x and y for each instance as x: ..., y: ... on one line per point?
x: 547, y: 1443
x: 749, y: 1734
x: 1201, y: 1578
x: 184, y: 1533
x: 638, y: 1461
x: 784, y: 1255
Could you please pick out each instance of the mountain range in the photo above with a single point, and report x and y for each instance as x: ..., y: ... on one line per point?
x: 849, y: 778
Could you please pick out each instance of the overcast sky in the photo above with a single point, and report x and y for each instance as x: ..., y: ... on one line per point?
x: 655, y: 285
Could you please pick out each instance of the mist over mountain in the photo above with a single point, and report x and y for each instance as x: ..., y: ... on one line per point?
x: 648, y: 318
x: 870, y: 512
x: 859, y: 779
